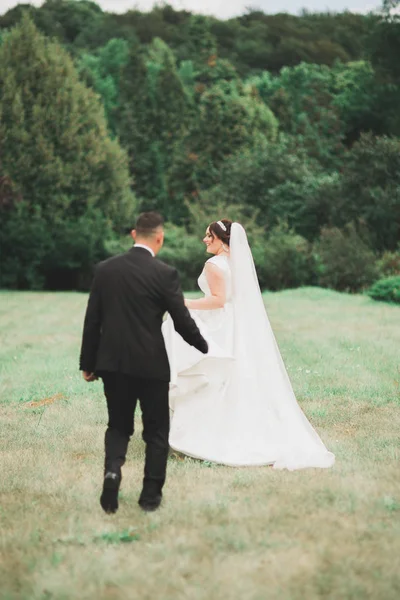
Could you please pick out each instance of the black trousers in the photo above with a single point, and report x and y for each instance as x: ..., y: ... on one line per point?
x: 122, y: 393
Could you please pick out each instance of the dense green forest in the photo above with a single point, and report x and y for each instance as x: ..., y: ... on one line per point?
x: 290, y: 124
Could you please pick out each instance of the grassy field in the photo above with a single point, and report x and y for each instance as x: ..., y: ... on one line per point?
x: 222, y: 533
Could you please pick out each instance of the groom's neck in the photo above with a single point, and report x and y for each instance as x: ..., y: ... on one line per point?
x: 149, y: 243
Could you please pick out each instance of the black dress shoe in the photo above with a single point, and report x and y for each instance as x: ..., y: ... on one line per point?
x: 109, y: 496
x: 149, y: 503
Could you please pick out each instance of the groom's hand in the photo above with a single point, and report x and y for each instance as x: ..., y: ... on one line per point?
x: 89, y: 377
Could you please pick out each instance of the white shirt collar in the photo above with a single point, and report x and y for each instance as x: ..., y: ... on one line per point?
x: 146, y: 248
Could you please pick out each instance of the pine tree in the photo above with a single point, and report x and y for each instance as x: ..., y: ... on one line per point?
x: 55, y: 148
x: 155, y: 108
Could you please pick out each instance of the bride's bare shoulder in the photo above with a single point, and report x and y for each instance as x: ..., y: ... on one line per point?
x: 215, y: 260
x: 218, y: 261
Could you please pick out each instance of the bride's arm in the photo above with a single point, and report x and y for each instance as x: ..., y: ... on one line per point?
x: 216, y: 283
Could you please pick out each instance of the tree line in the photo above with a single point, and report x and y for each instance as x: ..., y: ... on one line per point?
x: 288, y: 124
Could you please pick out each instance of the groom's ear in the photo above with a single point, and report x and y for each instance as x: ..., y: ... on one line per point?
x: 160, y: 237
x: 133, y: 234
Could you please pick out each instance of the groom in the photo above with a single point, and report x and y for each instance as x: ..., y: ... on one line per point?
x: 123, y: 344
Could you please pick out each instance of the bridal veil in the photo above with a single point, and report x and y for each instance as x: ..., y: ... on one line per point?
x: 260, y: 374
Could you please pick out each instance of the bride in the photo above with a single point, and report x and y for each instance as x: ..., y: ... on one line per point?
x: 235, y: 406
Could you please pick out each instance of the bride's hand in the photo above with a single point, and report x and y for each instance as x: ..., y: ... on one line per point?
x: 187, y: 302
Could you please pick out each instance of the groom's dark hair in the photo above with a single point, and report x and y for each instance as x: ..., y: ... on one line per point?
x: 148, y: 223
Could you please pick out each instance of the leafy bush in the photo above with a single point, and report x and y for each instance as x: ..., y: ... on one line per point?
x: 386, y: 290
x: 37, y: 254
x: 285, y: 260
x: 76, y: 246
x: 24, y: 245
x: 389, y: 263
x: 344, y: 260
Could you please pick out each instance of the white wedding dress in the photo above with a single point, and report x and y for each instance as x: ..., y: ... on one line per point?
x: 235, y: 406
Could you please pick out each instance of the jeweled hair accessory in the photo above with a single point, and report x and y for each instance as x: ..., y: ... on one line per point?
x: 220, y: 223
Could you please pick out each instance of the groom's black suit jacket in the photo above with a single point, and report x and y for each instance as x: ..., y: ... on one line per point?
x: 122, y: 330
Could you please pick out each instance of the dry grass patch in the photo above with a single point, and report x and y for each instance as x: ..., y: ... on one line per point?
x: 222, y: 533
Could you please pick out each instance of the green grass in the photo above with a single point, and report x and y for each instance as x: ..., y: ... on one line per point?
x: 222, y: 533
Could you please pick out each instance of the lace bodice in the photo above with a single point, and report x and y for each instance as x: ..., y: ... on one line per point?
x: 223, y: 263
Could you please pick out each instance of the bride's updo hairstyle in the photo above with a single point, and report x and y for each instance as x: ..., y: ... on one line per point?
x: 218, y: 231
